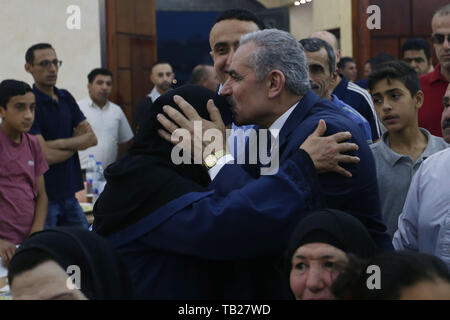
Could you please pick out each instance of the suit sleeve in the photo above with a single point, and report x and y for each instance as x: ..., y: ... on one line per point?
x: 251, y: 221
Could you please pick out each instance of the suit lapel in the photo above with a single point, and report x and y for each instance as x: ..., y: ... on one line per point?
x: 297, y: 116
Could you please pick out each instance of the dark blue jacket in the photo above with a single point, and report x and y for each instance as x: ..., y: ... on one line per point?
x: 205, y: 245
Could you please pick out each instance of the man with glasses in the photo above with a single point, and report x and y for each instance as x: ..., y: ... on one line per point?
x: 62, y: 130
x: 434, y: 84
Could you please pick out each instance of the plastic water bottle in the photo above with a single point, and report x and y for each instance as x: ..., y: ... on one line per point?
x: 99, y: 182
x: 90, y: 177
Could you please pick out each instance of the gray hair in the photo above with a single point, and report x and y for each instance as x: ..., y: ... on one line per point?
x: 315, y: 44
x: 279, y: 50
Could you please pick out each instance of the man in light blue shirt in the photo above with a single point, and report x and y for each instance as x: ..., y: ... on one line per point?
x: 424, y: 224
x: 397, y: 97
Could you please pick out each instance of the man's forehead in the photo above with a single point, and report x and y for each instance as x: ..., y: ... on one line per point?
x: 163, y: 67
x: 230, y: 31
x: 414, y: 53
x: 40, y: 53
x: 318, y: 56
x: 441, y: 22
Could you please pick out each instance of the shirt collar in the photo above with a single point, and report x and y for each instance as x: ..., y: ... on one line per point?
x: 436, y: 74
x: 393, y: 157
x: 42, y: 96
x: 154, y: 94
x: 92, y: 104
x: 276, y: 127
x: 341, y: 87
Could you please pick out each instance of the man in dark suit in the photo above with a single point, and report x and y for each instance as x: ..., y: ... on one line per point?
x: 268, y: 85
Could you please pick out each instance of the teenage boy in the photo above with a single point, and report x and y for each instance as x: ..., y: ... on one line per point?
x: 23, y: 200
x: 397, y: 96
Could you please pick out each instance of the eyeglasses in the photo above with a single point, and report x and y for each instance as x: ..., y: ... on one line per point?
x: 439, y: 38
x: 48, y: 63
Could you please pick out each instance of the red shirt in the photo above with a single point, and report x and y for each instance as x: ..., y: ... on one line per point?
x: 433, y: 86
x: 20, y: 166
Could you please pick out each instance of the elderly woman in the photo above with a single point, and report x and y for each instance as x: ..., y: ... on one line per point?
x: 67, y: 264
x: 318, y: 251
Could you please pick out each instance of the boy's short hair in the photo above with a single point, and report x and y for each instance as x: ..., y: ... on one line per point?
x: 396, y: 70
x: 102, y: 71
x: 11, y: 88
x: 29, y: 55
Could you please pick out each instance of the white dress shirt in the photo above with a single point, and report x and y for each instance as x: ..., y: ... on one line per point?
x: 111, y: 128
x: 154, y: 94
x: 424, y: 224
x: 274, y: 129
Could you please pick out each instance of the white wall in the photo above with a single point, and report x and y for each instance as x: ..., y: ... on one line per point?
x: 26, y: 22
x: 322, y: 15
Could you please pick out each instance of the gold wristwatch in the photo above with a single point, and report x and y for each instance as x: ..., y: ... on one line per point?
x: 211, y: 160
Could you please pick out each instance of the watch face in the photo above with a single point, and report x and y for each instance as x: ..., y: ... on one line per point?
x: 210, y: 161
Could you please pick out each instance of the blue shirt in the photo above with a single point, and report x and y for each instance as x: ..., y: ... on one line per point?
x: 56, y: 120
x: 363, y: 124
x: 360, y: 100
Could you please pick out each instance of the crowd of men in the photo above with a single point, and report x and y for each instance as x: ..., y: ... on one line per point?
x: 360, y: 166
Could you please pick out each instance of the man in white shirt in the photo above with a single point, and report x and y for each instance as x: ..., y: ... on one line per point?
x: 107, y: 120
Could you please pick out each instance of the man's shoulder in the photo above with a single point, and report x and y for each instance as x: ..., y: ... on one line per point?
x: 358, y: 93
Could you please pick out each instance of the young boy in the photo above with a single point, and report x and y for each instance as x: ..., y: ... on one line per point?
x: 397, y: 96
x: 23, y: 200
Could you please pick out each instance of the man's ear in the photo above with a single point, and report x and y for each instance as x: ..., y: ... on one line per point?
x: 27, y: 67
x: 275, y: 83
x: 2, y: 111
x: 418, y: 99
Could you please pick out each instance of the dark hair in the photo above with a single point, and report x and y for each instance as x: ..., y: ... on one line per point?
x: 26, y: 262
x: 105, y: 72
x: 341, y: 64
x: 159, y: 62
x: 399, y: 269
x: 11, y: 88
x: 29, y: 55
x: 398, y: 70
x: 416, y: 44
x: 240, y: 14
x: 198, y: 73
x: 315, y: 44
x: 379, y: 59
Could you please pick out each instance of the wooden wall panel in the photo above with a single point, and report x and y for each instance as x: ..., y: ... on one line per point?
x: 123, y: 51
x: 131, y: 50
x: 125, y: 15
x: 145, y: 18
x: 400, y: 20
x: 422, y: 13
x: 395, y: 17
x: 385, y: 45
x: 124, y: 84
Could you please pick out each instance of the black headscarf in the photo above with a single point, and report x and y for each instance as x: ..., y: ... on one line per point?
x: 102, y: 273
x: 146, y: 178
x: 333, y: 227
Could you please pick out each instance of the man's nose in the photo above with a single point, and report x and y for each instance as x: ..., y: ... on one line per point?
x: 226, y: 88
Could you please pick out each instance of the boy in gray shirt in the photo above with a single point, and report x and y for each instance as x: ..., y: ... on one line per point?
x: 397, y: 96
